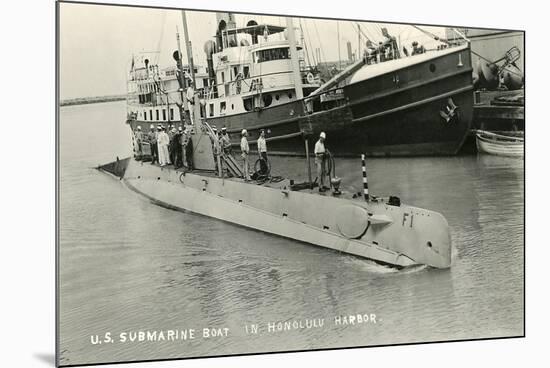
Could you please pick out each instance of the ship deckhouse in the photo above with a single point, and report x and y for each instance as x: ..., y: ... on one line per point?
x: 252, y: 70
x: 154, y: 94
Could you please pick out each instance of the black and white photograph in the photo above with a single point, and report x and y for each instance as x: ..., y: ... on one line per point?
x: 235, y: 183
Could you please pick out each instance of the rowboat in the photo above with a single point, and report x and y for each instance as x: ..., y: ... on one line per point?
x: 510, y: 144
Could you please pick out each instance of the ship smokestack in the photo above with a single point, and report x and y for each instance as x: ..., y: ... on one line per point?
x: 179, y: 73
x: 252, y: 23
x: 225, y: 22
x: 231, y: 24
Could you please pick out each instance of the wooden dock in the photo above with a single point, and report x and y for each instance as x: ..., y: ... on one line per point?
x: 499, y: 110
x: 495, y: 111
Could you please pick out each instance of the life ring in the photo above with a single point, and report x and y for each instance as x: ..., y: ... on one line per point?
x: 310, y: 78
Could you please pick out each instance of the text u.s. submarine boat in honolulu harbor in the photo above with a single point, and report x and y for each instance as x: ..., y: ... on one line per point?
x: 380, y: 229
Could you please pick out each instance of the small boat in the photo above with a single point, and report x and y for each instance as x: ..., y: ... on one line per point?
x: 510, y: 144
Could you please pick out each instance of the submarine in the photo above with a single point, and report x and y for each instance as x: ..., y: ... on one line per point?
x: 381, y: 229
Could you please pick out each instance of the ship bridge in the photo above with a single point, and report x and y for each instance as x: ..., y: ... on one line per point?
x: 252, y: 68
x: 263, y: 66
x: 254, y: 30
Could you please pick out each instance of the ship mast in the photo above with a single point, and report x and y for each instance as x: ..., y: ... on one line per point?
x: 358, y: 42
x: 188, y: 47
x: 338, y: 34
x: 294, y: 59
x: 181, y: 80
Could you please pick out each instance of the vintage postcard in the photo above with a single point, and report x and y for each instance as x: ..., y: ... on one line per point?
x: 235, y: 183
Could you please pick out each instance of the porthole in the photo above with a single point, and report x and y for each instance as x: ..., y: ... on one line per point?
x: 267, y: 100
x: 432, y: 67
x: 277, y: 97
x: 289, y: 94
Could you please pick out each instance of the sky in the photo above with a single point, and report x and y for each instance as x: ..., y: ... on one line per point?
x: 97, y: 42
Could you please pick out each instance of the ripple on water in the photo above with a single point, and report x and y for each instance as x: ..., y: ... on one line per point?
x: 127, y: 264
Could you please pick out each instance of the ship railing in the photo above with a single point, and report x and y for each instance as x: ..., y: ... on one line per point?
x: 256, y: 83
x: 207, y: 93
x: 251, y: 77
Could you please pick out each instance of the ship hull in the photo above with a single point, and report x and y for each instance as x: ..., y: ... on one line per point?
x: 417, y: 107
x: 413, y: 129
x: 423, y: 108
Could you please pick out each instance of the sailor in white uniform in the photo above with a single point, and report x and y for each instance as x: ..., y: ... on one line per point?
x: 163, y: 141
x: 190, y: 95
x: 320, y: 154
x: 138, y: 139
x: 262, y: 150
x: 245, y: 149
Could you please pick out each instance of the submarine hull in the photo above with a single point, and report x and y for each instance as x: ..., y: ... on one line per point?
x: 395, y: 235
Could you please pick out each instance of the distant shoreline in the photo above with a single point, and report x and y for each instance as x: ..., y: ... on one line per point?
x: 90, y: 100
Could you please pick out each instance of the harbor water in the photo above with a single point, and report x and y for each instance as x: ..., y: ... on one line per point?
x: 127, y: 265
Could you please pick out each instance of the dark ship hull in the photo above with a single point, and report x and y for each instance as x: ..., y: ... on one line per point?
x: 416, y: 106
x: 422, y: 109
x: 395, y: 113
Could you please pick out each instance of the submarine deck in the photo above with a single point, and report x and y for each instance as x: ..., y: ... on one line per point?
x: 274, y: 182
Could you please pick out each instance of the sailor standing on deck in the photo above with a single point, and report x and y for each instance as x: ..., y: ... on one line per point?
x: 138, y: 136
x: 245, y: 150
x: 320, y: 154
x: 173, y: 147
x: 225, y: 142
x: 215, y: 145
x: 370, y: 53
x: 188, y: 156
x: 152, y: 137
x: 177, y: 155
x: 170, y: 132
x: 163, y: 141
x: 262, y: 151
x: 190, y: 96
x: 182, y: 144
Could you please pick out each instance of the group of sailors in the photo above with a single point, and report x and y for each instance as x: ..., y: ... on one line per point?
x: 168, y: 145
x: 171, y: 145
x: 388, y: 50
x: 417, y: 48
x: 385, y: 50
x: 223, y: 145
x: 321, y: 156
